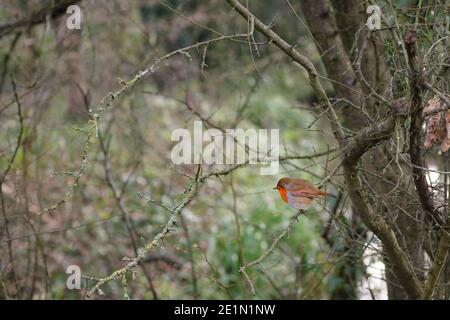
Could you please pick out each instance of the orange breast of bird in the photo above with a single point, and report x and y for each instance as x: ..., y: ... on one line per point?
x: 283, y: 194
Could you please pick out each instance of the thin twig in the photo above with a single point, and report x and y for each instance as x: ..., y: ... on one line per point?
x: 292, y: 223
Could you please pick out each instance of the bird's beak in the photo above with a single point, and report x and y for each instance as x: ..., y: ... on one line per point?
x: 275, y: 188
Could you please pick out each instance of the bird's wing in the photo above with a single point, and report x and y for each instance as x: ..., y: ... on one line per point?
x: 305, y: 190
x: 306, y: 194
x: 299, y: 184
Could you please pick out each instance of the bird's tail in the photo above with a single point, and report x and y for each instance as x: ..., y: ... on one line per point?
x: 322, y: 193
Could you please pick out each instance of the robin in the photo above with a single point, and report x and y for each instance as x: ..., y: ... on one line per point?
x: 298, y: 193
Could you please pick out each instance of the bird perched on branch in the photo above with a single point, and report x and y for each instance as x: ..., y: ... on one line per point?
x: 298, y: 193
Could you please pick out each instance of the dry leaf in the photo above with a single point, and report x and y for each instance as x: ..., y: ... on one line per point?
x: 446, y: 140
x: 434, y: 132
x: 433, y: 104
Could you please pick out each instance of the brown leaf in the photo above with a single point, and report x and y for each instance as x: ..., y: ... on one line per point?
x: 434, y: 132
x: 433, y: 105
x: 446, y: 140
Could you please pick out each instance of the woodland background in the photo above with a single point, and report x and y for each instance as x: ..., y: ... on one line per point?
x: 86, y: 177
